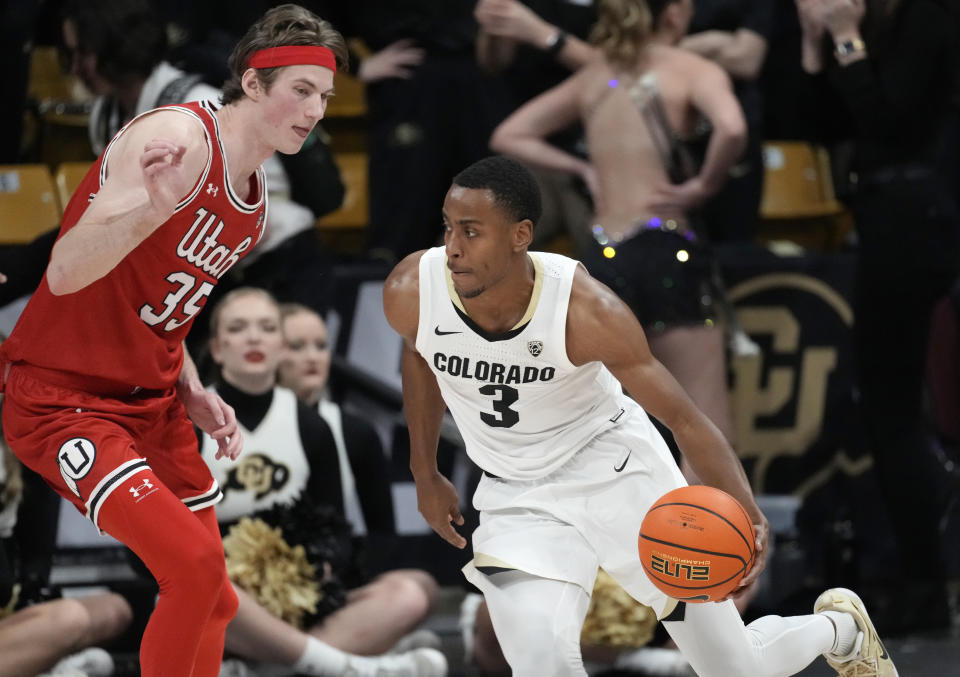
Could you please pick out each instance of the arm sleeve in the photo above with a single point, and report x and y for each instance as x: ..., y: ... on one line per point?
x: 324, y: 483
x: 370, y: 473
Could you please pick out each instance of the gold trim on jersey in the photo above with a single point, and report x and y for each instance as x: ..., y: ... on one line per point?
x: 482, y: 560
x: 534, y: 297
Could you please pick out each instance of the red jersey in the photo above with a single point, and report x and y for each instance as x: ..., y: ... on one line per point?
x: 126, y: 329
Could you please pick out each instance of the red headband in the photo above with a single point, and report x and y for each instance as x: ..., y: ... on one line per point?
x: 293, y: 55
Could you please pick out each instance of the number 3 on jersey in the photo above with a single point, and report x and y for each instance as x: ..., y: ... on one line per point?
x: 505, y: 417
x: 186, y: 282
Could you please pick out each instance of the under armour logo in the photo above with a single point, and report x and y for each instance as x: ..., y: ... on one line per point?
x: 142, y: 490
x: 212, y: 189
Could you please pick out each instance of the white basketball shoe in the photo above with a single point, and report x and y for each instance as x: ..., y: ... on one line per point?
x: 869, y: 658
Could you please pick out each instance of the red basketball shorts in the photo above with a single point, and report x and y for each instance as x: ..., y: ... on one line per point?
x: 87, y: 447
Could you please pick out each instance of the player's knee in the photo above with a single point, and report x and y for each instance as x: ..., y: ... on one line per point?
x: 202, y: 566
x: 228, y: 602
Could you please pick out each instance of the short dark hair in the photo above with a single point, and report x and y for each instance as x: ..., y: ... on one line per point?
x: 280, y: 26
x: 513, y: 186
x: 127, y: 37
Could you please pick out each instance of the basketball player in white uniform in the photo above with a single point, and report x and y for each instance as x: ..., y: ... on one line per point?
x: 529, y: 353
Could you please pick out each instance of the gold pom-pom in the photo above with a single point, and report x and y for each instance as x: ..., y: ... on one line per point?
x: 12, y: 604
x: 615, y: 619
x: 278, y: 576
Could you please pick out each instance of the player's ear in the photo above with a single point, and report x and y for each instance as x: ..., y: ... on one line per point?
x: 522, y: 234
x: 251, y: 83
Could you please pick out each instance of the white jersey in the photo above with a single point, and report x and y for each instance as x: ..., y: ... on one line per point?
x: 273, y: 468
x: 522, y: 408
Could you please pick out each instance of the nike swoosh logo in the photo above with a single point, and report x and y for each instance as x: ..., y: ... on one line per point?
x: 624, y: 464
x: 436, y: 330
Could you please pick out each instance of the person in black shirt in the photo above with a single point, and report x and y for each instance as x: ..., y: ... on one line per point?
x: 530, y: 47
x: 425, y: 121
x: 735, y: 34
x: 884, y: 75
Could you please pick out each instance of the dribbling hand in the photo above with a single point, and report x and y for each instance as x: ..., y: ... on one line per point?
x: 759, y: 561
x: 439, y: 503
x: 163, y: 174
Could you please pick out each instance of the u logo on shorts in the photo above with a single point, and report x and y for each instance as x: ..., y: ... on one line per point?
x: 75, y: 458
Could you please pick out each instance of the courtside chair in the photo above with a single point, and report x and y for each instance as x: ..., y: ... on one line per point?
x: 28, y: 203
x: 355, y: 210
x: 68, y: 177
x: 799, y: 202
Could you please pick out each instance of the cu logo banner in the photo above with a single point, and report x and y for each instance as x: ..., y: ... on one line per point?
x: 75, y: 458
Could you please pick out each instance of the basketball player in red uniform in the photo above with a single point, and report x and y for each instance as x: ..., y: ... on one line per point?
x: 99, y: 391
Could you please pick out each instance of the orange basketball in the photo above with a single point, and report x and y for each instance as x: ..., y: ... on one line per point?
x: 696, y: 543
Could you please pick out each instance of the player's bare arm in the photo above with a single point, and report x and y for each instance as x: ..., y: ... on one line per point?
x: 601, y: 327
x: 151, y: 167
x: 423, y: 405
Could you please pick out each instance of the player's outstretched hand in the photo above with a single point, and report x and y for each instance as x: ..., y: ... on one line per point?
x: 163, y: 172
x: 439, y: 503
x: 215, y: 417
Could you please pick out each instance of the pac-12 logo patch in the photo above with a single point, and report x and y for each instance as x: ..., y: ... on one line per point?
x: 75, y: 458
x: 535, y: 347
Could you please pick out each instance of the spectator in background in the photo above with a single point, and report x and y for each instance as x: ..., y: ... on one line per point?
x: 368, y: 504
x: 18, y: 20
x: 638, y: 104
x: 884, y: 74
x: 735, y: 35
x: 56, y: 635
x: 429, y: 110
x: 532, y: 46
x: 292, y: 459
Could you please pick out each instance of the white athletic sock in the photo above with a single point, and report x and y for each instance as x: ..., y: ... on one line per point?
x: 846, y: 632
x: 321, y: 659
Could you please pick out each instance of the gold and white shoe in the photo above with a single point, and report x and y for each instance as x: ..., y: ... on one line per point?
x: 869, y: 658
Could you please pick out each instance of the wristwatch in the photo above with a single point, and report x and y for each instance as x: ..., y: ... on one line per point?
x: 556, y: 42
x: 849, y: 47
